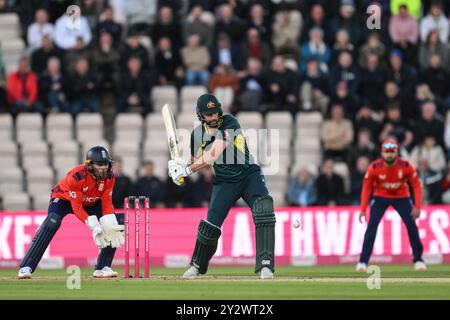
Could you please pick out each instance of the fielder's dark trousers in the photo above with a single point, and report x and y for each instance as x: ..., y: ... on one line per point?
x: 404, y: 207
x: 225, y: 195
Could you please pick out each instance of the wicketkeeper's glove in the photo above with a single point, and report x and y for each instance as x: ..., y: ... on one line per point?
x: 112, y: 230
x: 97, y: 232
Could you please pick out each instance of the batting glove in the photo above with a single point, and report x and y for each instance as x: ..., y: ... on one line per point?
x: 97, y: 232
x: 113, y: 230
x: 178, y: 168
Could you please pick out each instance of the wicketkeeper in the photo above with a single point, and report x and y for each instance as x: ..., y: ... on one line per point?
x: 85, y: 191
x: 219, y: 141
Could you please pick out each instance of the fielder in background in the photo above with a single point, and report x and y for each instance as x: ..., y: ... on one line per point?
x: 219, y: 141
x: 386, y: 181
x: 85, y: 191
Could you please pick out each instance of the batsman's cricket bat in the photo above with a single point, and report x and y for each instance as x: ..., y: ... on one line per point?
x: 171, y: 132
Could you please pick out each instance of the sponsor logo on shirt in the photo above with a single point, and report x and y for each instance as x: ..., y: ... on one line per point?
x: 85, y: 189
x: 90, y: 199
x: 392, y: 185
x: 382, y: 176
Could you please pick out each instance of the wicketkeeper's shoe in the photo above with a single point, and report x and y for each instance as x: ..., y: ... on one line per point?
x: 25, y: 273
x: 191, y: 273
x: 420, y: 266
x: 361, y: 267
x: 266, y: 273
x: 106, y: 272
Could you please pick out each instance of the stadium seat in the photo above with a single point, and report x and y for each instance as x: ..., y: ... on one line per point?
x: 9, y: 26
x: 130, y: 153
x: 6, y: 127
x: 341, y: 169
x: 161, y: 95
x: 29, y: 127
x: 186, y: 120
x: 85, y: 146
x: 89, y: 126
x: 34, y: 154
x: 250, y: 120
x: 16, y: 201
x: 40, y: 201
x: 189, y: 96
x: 59, y: 127
x: 65, y: 152
x: 39, y: 180
x: 11, y: 179
x: 128, y: 127
x: 9, y: 154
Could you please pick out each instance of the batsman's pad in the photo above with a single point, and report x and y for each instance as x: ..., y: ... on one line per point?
x: 41, y: 240
x: 264, y: 218
x: 206, y: 245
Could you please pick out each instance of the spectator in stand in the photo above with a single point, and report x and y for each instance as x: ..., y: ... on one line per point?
x: 395, y: 126
x: 135, y: 86
x: 3, y: 101
x: 429, y: 159
x: 373, y: 45
x: 225, y: 52
x: 196, y: 24
x: 368, y: 119
x: 391, y: 95
x: 430, y: 123
x: 257, y: 20
x: 39, y: 57
x: 341, y: 96
x: 302, y: 190
x: 109, y: 25
x: 433, y: 46
x: 330, y: 186
x: 346, y: 71
x: 133, y: 48
x: 316, y: 19
x: 286, y: 28
x: 123, y: 186
x: 315, y: 49
x: 53, y: 86
x: 22, y: 88
x: 251, y: 87
x: 83, y: 88
x: 336, y: 134
x: 168, y: 64
x: 357, y: 177
x: 202, y: 188
x: 438, y: 79
x: 403, y: 27
x: 229, y: 24
x: 224, y: 85
x: 347, y: 20
x: 151, y: 186
x: 401, y: 74
x: 371, y: 82
x: 342, y: 44
x: 255, y: 48
x: 281, y: 86
x: 71, y: 56
x: 196, y: 60
x: 413, y: 7
x: 66, y: 38
x: 38, y: 29
x: 167, y: 26
x: 435, y: 20
x: 91, y: 9
x: 106, y: 62
x: 315, y: 88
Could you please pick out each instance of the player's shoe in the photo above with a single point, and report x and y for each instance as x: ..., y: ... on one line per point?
x: 25, y: 273
x: 420, y: 266
x: 106, y: 272
x: 191, y: 273
x: 361, y: 267
x: 266, y: 273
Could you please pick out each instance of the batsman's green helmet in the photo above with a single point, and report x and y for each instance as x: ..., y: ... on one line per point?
x: 207, y: 104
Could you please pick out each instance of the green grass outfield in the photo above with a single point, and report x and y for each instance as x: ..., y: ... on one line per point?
x: 319, y: 282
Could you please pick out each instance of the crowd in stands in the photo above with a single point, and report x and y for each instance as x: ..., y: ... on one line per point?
x: 267, y: 55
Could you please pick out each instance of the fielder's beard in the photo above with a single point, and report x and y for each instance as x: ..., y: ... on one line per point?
x: 390, y: 161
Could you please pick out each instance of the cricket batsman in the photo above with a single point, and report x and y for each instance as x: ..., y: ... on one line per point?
x: 386, y: 181
x: 85, y: 191
x: 219, y: 142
